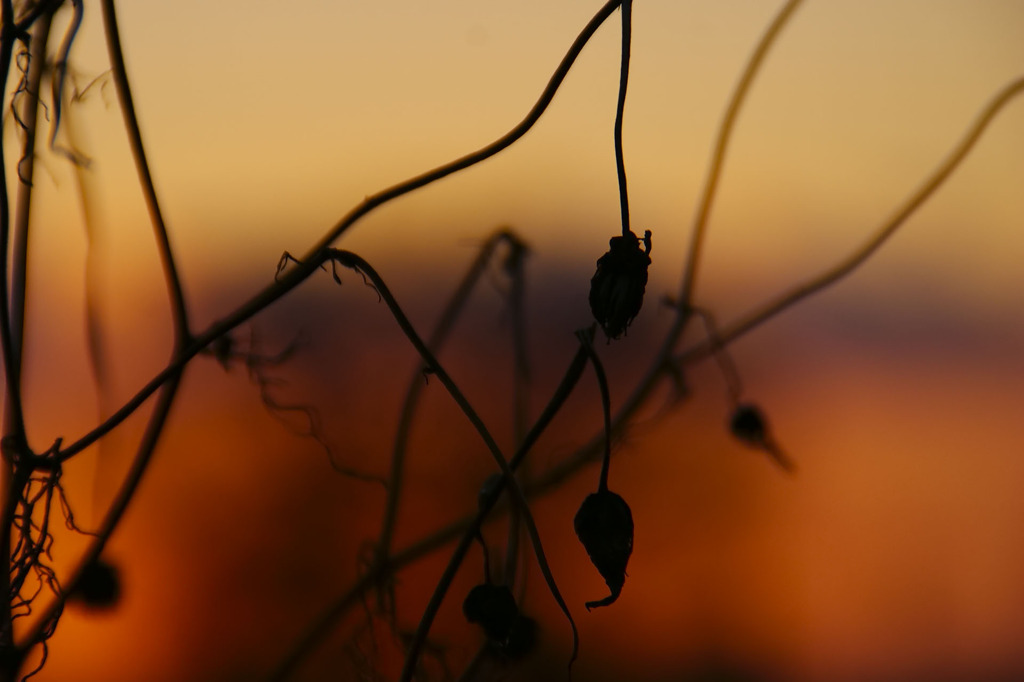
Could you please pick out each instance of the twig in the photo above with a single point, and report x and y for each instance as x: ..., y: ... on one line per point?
x: 416, y: 385
x: 131, y: 122
x: 620, y: 164
x: 721, y: 145
x: 847, y: 265
x: 307, y: 266
x: 586, y: 338
x: 355, y: 262
x: 468, y: 527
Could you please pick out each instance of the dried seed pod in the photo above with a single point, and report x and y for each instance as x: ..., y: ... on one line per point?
x: 617, y: 288
x: 749, y: 425
x: 494, y: 609
x: 99, y: 587
x: 604, y: 525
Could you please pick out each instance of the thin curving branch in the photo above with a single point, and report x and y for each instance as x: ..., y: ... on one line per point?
x: 769, y: 310
x: 357, y: 263
x: 147, y: 445
x: 308, y: 264
x: 468, y: 527
x: 178, y: 308
x: 620, y: 164
x: 586, y: 340
x: 700, y: 220
x: 416, y: 384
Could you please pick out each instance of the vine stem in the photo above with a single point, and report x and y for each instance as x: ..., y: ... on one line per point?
x: 182, y: 337
x: 307, y: 264
x: 587, y: 340
x: 707, y: 198
x: 620, y: 164
x: 14, y: 443
x: 124, y: 92
x: 416, y: 385
x: 357, y: 263
x: 467, y: 527
x: 883, y: 233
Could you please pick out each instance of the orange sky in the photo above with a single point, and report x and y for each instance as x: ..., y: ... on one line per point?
x: 896, y: 551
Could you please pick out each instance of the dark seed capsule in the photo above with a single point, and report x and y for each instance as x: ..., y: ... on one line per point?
x: 617, y: 288
x: 494, y: 609
x: 99, y: 587
x: 748, y: 424
x: 604, y: 525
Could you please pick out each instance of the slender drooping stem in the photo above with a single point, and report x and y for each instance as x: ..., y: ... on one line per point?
x: 14, y: 444
x: 620, y: 164
x: 447, y: 320
x: 586, y: 340
x: 466, y: 528
x: 307, y: 265
x: 851, y: 262
x: 700, y: 220
x: 178, y: 308
x: 357, y: 263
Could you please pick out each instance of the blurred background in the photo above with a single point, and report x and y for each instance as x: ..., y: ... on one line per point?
x: 896, y: 551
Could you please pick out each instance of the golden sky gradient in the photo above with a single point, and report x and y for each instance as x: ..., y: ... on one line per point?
x: 895, y: 553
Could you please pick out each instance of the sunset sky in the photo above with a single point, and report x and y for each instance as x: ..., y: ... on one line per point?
x: 897, y: 550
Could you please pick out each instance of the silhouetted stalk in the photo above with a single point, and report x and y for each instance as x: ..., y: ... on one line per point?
x: 830, y: 276
x: 26, y: 173
x: 664, y: 364
x: 620, y: 164
x: 417, y: 383
x: 15, y: 484
x: 143, y: 455
x: 178, y: 309
x: 14, y: 444
x: 356, y: 262
x: 468, y: 527
x: 700, y: 220
x: 586, y: 339
x: 14, y: 420
x: 308, y: 264
x: 520, y: 391
x: 662, y: 367
x: 38, y: 634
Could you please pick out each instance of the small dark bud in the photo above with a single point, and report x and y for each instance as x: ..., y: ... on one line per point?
x: 99, y: 587
x: 617, y: 288
x: 604, y: 525
x: 493, y: 608
x: 749, y: 425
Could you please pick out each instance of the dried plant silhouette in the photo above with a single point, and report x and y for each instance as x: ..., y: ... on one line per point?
x: 34, y: 499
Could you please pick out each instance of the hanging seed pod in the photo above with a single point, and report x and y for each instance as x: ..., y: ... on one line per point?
x: 749, y: 425
x: 617, y: 288
x: 494, y: 609
x: 604, y: 525
x: 99, y: 587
